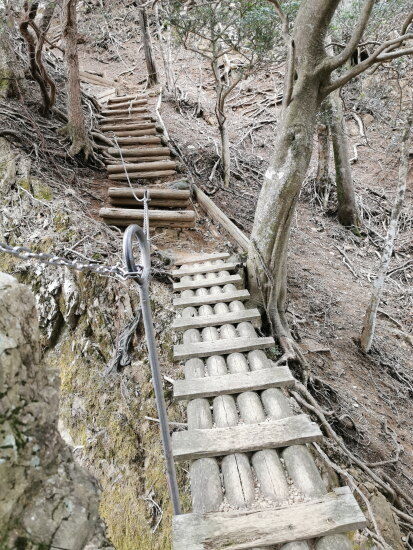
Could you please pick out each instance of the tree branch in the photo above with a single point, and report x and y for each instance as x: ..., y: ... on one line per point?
x: 373, y: 58
x: 332, y: 63
x: 284, y: 20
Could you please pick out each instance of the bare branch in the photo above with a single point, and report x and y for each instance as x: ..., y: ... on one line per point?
x: 332, y: 63
x: 372, y: 59
x: 284, y: 20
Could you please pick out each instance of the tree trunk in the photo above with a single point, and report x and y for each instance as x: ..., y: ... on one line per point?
x: 76, y: 127
x: 267, y: 257
x: 147, y: 46
x: 369, y: 324
x: 165, y: 52
x: 225, y: 151
x: 11, y: 73
x: 323, y: 183
x: 346, y: 197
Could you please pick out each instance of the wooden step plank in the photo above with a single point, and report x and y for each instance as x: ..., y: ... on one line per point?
x: 155, y: 203
x: 138, y: 151
x: 124, y: 98
x: 294, y: 430
x: 210, y: 299
x: 211, y: 386
x: 126, y: 104
x: 336, y: 512
x: 155, y: 193
x: 144, y: 166
x: 134, y: 124
x: 136, y: 140
x: 232, y: 317
x: 113, y: 113
x: 133, y: 133
x: 193, y: 270
x: 154, y: 215
x: 118, y: 161
x: 142, y: 175
x: 205, y: 283
x: 202, y: 258
x: 221, y: 347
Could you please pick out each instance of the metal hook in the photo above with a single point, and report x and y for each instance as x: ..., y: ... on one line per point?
x: 131, y: 232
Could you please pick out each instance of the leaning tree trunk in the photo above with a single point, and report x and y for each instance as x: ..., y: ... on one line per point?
x: 223, y: 132
x: 147, y: 46
x: 11, y: 72
x: 267, y: 258
x: 76, y: 127
x: 347, y: 213
x: 369, y: 324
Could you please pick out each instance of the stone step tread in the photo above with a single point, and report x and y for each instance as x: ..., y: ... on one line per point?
x: 193, y: 270
x: 217, y: 319
x: 335, y: 512
x: 212, y: 386
x: 221, y: 347
x: 210, y: 299
x: 194, y: 444
x: 216, y: 281
x: 202, y: 258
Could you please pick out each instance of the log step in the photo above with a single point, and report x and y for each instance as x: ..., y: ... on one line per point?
x: 193, y: 270
x: 157, y: 218
x: 123, y: 98
x: 154, y: 193
x: 135, y: 133
x: 144, y: 140
x: 142, y: 175
x: 233, y: 317
x: 144, y: 125
x: 194, y: 444
x: 139, y: 151
x: 143, y: 166
x: 221, y: 347
x: 110, y: 113
x: 205, y: 283
x: 130, y: 126
x: 210, y: 299
x: 126, y: 104
x: 155, y: 203
x: 203, y: 258
x: 335, y: 512
x: 211, y: 386
x: 118, y: 162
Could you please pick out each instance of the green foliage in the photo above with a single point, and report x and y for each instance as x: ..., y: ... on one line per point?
x: 248, y: 28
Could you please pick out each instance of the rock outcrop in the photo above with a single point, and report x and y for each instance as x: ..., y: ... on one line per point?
x: 46, y: 499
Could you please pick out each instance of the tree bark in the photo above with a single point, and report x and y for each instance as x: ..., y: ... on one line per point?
x: 369, y: 324
x: 153, y: 78
x: 76, y: 127
x: 165, y: 52
x: 323, y: 182
x: 347, y: 213
x: 12, y: 80
x: 283, y: 180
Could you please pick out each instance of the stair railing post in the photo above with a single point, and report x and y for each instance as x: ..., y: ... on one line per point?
x: 142, y: 274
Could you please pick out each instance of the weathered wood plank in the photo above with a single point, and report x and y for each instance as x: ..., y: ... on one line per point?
x: 132, y: 214
x: 127, y: 192
x: 142, y: 175
x: 123, y: 98
x: 205, y: 283
x: 244, y: 438
x: 233, y: 383
x: 220, y: 217
x: 336, y: 512
x: 148, y: 166
x: 221, y: 347
x: 207, y: 268
x: 211, y: 298
x: 201, y: 321
x: 202, y: 258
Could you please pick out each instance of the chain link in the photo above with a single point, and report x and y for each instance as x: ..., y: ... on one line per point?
x: 116, y: 271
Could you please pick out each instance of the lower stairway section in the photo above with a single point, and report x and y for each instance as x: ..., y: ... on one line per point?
x: 254, y: 482
x: 139, y: 153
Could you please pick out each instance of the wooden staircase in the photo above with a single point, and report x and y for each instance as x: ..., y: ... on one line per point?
x: 139, y: 153
x: 254, y: 482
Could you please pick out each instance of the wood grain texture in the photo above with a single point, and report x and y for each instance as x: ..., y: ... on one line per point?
x: 221, y: 347
x: 211, y: 298
x: 336, y: 512
x: 127, y: 192
x: 233, y: 383
x: 218, y: 216
x: 217, y: 319
x: 206, y: 283
x: 142, y: 175
x: 202, y: 258
x: 207, y: 268
x: 244, y: 438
